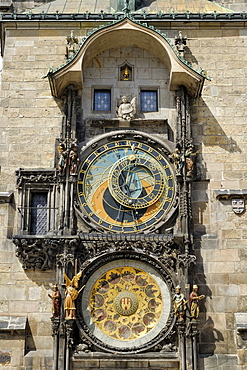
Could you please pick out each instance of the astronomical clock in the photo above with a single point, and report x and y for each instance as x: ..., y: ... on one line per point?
x: 126, y: 183
x: 126, y: 187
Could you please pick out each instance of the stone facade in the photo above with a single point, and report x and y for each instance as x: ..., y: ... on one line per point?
x: 31, y: 120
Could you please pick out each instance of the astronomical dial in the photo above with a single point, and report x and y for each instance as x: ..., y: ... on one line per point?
x: 125, y: 305
x: 126, y: 186
x: 136, y: 182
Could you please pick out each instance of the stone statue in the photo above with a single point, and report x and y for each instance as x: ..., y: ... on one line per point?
x: 179, y: 303
x: 176, y: 156
x: 73, y: 159
x: 190, y: 159
x: 127, y: 109
x: 56, y: 302
x: 194, y: 303
x: 71, y: 294
x: 72, y: 44
x: 62, y: 159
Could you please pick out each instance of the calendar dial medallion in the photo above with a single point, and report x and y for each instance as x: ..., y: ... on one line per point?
x: 126, y: 186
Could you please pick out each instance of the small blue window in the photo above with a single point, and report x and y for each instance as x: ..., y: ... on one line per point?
x: 102, y: 100
x: 149, y: 101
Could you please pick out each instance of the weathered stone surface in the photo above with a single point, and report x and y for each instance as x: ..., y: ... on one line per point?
x: 31, y: 121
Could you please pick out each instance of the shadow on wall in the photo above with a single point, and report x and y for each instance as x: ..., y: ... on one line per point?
x: 206, y: 132
x: 206, y: 129
x: 139, y: 4
x: 29, y: 342
x: 210, y: 335
x: 189, y: 56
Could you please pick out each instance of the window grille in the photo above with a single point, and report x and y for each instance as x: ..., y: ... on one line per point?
x: 38, y: 213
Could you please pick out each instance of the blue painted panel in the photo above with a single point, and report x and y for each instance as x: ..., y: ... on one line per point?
x: 102, y: 100
x: 149, y: 101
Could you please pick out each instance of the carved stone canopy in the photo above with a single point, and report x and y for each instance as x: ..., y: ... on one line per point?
x: 126, y: 33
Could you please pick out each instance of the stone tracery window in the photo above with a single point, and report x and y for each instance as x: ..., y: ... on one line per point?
x: 38, y: 201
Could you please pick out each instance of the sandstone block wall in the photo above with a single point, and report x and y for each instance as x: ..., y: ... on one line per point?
x: 30, y: 122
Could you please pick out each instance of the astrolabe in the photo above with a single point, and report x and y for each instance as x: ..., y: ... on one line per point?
x: 125, y: 186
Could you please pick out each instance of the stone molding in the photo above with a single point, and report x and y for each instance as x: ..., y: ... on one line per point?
x: 6, y: 196
x: 228, y: 193
x: 13, y: 324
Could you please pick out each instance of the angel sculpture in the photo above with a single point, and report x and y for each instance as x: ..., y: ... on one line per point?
x: 71, y: 295
x: 126, y: 109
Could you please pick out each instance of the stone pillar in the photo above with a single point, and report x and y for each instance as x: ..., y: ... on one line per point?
x: 55, y: 334
x: 69, y: 328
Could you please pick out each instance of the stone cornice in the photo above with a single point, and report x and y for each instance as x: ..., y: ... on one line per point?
x: 230, y: 193
x: 6, y: 196
x: 159, y: 17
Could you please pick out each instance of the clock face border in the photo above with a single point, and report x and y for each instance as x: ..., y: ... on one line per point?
x: 103, y: 265
x: 109, y: 211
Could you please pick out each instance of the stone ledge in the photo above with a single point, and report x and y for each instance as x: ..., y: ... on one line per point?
x: 170, y: 356
x: 145, y: 361
x: 227, y: 193
x: 6, y: 196
x: 13, y: 324
x: 5, y: 5
x: 97, y: 122
x: 241, y: 321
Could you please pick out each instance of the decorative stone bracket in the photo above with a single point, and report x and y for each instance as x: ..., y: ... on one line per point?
x: 6, y: 196
x: 43, y: 253
x: 241, y: 323
x: 13, y: 324
x: 237, y: 198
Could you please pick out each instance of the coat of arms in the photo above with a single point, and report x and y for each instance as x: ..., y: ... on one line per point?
x: 238, y: 205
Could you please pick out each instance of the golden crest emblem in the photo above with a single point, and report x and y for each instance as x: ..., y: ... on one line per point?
x: 126, y: 303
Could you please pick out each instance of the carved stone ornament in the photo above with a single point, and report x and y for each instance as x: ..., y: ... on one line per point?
x: 35, y: 176
x: 69, y: 330
x: 36, y: 253
x: 165, y: 251
x: 55, y: 326
x: 43, y: 253
x: 186, y: 260
x: 238, y: 205
x: 84, y: 346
